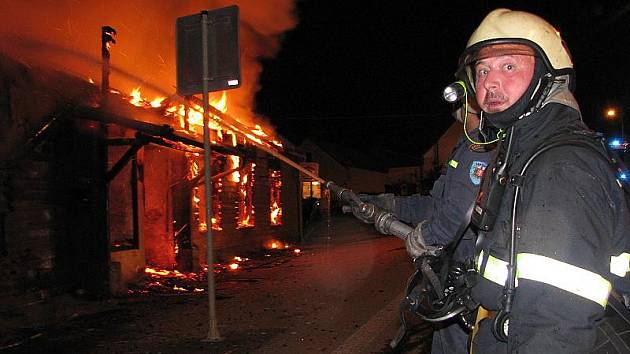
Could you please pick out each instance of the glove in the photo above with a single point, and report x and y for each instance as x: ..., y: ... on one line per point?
x: 384, y: 201
x: 415, y: 243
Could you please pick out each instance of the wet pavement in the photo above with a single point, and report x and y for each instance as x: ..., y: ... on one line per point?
x: 340, y: 294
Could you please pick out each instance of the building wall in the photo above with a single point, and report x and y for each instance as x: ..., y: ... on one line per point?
x: 329, y: 168
x: 365, y: 181
x: 157, y: 216
x: 444, y: 146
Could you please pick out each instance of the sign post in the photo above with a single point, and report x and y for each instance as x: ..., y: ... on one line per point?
x: 208, y: 60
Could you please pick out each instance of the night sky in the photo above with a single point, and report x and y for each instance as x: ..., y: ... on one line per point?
x: 370, y: 74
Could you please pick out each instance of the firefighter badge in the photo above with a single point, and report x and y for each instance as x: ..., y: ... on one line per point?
x: 477, y: 168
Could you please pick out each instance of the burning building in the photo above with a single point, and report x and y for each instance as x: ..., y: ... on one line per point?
x: 99, y: 182
x: 112, y: 189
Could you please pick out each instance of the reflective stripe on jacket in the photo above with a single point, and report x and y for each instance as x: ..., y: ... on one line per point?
x: 547, y: 270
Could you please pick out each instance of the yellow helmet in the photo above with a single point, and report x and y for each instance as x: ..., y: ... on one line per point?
x: 504, y: 26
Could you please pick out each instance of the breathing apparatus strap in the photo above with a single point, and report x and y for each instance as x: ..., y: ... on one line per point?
x: 402, y: 330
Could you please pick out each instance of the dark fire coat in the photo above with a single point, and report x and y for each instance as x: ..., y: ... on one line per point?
x: 571, y: 223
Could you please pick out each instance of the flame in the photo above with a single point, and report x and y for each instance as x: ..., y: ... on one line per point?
x: 157, y: 102
x: 258, y: 131
x: 190, y: 119
x: 221, y: 103
x: 275, y: 184
x: 234, y: 162
x: 163, y: 272
x: 245, y: 203
x: 276, y: 213
x: 233, y: 266
x: 274, y: 245
x: 136, y: 98
x: 297, y: 251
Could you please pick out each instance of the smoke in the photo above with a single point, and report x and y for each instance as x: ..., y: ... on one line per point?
x: 65, y: 35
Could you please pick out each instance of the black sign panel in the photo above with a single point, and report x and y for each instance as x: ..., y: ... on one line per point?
x: 224, y: 68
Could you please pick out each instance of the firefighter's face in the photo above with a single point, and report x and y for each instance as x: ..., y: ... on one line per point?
x: 500, y: 81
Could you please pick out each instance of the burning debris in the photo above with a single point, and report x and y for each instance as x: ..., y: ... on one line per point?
x: 168, y: 282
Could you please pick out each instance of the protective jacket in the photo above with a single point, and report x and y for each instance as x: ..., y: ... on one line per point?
x: 451, y: 196
x: 571, y: 230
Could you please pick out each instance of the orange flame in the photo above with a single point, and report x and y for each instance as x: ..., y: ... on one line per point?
x: 245, y: 204
x: 234, y: 162
x: 274, y: 245
x: 275, y: 183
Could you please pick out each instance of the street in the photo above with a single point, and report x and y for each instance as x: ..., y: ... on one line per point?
x: 339, y: 295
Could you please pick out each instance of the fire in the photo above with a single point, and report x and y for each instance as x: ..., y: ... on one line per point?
x: 245, y: 205
x: 157, y: 102
x: 234, y: 162
x: 233, y: 266
x: 275, y: 184
x: 274, y: 245
x: 136, y: 99
x: 189, y: 118
x: 163, y: 272
x: 276, y: 213
x: 258, y: 131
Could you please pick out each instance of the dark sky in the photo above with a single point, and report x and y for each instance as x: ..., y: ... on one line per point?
x: 370, y: 73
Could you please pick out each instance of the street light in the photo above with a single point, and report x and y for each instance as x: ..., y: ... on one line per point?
x: 612, y: 113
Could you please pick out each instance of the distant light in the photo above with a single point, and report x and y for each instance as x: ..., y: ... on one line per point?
x: 232, y: 82
x: 623, y: 176
x: 297, y: 250
x: 611, y: 113
x: 615, y: 142
x: 233, y: 266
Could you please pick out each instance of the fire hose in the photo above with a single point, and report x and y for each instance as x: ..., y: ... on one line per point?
x: 439, y: 288
x: 384, y: 221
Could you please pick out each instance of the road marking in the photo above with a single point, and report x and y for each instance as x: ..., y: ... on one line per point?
x: 386, y: 320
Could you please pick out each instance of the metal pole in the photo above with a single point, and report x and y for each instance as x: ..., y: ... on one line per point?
x: 213, y: 328
x: 107, y: 39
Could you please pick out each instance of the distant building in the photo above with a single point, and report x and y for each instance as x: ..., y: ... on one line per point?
x: 380, y: 172
x: 436, y: 157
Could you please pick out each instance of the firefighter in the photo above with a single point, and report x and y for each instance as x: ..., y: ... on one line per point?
x: 557, y: 250
x: 443, y: 211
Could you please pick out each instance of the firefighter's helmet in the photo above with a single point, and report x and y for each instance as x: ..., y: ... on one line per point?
x: 503, y: 27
